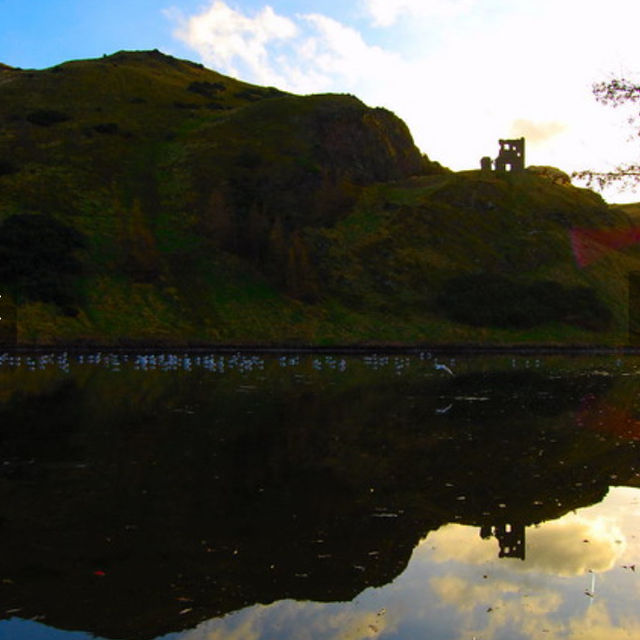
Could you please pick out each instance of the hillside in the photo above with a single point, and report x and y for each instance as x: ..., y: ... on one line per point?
x: 145, y: 199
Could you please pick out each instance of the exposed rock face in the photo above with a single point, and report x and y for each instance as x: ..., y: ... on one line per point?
x: 371, y: 144
x: 302, y: 158
x: 554, y: 174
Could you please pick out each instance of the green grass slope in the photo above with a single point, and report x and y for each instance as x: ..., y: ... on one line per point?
x: 145, y: 199
x: 481, y: 259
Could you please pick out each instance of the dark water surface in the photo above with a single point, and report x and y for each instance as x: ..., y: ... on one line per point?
x: 252, y: 497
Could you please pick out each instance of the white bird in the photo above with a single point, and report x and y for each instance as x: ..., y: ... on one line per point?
x: 442, y: 367
x: 444, y: 410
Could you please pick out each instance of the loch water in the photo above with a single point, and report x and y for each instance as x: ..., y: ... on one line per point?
x: 239, y: 496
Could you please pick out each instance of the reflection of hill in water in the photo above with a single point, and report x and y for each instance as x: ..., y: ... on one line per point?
x: 197, y: 497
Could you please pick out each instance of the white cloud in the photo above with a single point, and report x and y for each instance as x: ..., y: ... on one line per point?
x: 341, y: 51
x: 229, y: 40
x: 309, y: 53
x: 385, y: 13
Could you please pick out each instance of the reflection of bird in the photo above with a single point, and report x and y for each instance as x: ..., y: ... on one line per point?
x: 442, y: 367
x: 591, y: 592
x: 444, y: 409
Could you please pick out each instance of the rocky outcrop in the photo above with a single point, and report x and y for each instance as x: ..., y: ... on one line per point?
x: 554, y: 174
x: 302, y: 159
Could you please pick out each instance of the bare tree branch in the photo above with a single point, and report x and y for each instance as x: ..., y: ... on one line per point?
x: 625, y: 176
x: 615, y: 92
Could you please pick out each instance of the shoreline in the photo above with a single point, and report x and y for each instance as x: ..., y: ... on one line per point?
x: 343, y: 349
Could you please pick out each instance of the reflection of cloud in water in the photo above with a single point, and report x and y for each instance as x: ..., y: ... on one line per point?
x: 556, y: 547
x: 597, y: 624
x: 505, y: 609
x: 498, y: 608
x: 573, y: 545
x: 302, y: 621
x: 501, y: 609
x: 460, y: 543
x: 246, y: 629
x: 465, y: 595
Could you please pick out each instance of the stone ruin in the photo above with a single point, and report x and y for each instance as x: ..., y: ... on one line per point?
x: 510, y: 157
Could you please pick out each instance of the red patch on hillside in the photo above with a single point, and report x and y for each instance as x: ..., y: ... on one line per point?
x: 589, y: 245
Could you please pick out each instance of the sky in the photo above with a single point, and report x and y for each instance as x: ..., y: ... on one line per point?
x: 461, y: 73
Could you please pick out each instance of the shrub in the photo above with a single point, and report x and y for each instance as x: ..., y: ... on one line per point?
x: 185, y: 105
x: 37, y: 260
x: 206, y: 89
x: 258, y: 93
x: 217, y: 106
x: 47, y: 117
x: 109, y: 128
x: 484, y: 299
x: 7, y: 168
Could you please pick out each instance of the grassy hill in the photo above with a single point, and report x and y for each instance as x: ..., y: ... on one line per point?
x: 145, y: 199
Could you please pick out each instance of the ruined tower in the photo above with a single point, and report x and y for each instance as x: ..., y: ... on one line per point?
x: 511, y: 156
x: 511, y: 538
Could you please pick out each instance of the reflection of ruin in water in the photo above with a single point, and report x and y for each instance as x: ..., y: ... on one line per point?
x: 511, y: 538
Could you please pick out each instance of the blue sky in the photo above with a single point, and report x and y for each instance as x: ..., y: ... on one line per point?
x: 42, y: 33
x: 461, y: 73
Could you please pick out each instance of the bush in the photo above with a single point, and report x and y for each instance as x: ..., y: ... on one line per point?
x: 493, y: 300
x: 47, y: 117
x: 109, y: 128
x: 217, y: 106
x: 206, y: 89
x: 7, y: 168
x: 185, y: 105
x: 37, y: 260
x: 258, y: 93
